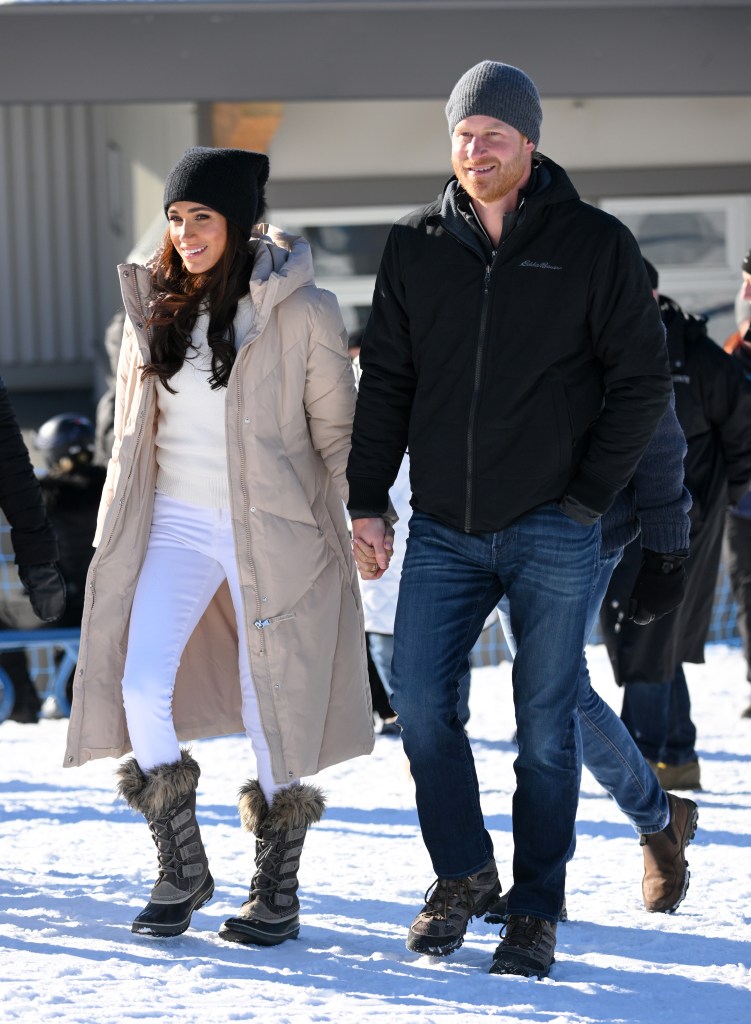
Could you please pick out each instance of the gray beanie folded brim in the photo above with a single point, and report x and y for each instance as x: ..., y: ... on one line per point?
x: 500, y: 91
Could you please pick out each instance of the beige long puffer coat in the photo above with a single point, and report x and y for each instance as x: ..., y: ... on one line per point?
x: 289, y: 410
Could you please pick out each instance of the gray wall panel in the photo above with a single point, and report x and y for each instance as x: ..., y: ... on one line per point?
x: 50, y: 245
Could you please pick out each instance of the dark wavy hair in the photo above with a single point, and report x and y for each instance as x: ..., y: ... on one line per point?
x: 179, y: 297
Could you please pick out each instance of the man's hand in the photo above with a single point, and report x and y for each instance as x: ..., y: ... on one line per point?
x: 372, y: 546
x: 659, y: 587
x: 46, y: 589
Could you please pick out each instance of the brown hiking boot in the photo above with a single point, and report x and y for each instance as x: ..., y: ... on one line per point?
x: 527, y: 947
x: 450, y: 904
x: 666, y: 871
x: 677, y: 776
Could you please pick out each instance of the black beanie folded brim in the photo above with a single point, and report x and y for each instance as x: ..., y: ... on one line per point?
x: 230, y: 181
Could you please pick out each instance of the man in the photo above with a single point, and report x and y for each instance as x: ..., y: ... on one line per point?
x: 713, y: 404
x: 514, y: 345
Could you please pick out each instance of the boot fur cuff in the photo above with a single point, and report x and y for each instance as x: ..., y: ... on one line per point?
x: 293, y: 807
x: 157, y: 792
x: 252, y: 806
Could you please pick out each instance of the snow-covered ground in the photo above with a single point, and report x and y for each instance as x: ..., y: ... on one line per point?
x: 76, y: 865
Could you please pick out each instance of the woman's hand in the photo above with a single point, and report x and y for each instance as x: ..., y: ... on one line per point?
x: 372, y: 546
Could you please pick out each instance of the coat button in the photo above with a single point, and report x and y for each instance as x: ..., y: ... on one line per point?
x: 126, y: 273
x: 247, y: 419
x: 252, y: 508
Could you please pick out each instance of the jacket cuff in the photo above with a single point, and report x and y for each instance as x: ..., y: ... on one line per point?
x: 594, y: 495
x: 367, y: 495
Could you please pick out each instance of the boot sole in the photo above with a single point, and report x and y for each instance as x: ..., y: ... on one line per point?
x: 430, y: 946
x: 171, y: 928
x: 509, y: 964
x: 691, y: 826
x: 259, y: 933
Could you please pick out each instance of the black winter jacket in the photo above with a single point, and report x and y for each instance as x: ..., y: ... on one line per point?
x: 514, y: 379
x: 713, y: 404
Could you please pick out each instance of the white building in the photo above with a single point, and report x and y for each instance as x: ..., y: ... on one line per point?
x: 647, y: 106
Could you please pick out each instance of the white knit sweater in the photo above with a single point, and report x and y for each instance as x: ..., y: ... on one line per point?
x: 191, y: 442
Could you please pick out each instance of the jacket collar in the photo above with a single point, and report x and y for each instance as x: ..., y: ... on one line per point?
x: 548, y: 184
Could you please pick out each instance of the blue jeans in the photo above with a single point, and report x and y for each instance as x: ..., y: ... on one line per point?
x: 450, y: 582
x: 604, y: 744
x: 382, y: 651
x: 658, y: 716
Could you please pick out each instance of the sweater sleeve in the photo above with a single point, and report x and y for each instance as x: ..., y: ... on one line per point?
x: 386, y: 390
x: 31, y: 535
x: 629, y: 342
x: 662, y: 499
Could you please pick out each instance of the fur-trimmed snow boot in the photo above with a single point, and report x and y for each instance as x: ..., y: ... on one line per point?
x: 270, y: 914
x: 166, y: 796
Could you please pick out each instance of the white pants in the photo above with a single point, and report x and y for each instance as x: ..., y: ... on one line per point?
x: 191, y: 551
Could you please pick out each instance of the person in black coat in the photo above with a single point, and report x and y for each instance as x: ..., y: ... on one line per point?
x: 32, y: 537
x: 713, y: 404
x: 738, y: 522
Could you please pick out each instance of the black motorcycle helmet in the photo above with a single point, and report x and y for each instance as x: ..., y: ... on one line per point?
x: 67, y: 440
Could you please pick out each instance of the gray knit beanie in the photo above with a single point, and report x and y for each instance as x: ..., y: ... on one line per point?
x: 230, y: 181
x: 500, y: 91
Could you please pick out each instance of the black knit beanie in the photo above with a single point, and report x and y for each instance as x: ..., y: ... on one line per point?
x: 746, y: 265
x: 230, y: 181
x: 500, y: 91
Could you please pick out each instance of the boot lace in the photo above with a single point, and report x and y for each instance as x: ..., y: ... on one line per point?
x: 162, y: 834
x: 446, y: 896
x: 265, y: 881
x: 524, y: 932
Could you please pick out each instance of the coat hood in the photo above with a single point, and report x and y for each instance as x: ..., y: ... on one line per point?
x: 283, y: 264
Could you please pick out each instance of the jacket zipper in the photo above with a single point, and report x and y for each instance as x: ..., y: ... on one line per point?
x: 479, y: 353
x: 478, y: 359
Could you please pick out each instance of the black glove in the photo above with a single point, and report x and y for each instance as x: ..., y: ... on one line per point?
x: 659, y: 587
x: 46, y: 589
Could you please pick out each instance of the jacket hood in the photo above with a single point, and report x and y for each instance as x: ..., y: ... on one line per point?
x: 283, y: 264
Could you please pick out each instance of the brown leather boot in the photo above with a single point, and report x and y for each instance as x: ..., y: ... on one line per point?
x: 666, y: 871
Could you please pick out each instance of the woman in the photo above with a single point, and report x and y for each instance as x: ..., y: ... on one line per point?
x: 222, y: 595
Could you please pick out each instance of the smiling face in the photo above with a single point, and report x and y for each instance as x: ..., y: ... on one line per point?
x: 490, y: 158
x: 198, y: 233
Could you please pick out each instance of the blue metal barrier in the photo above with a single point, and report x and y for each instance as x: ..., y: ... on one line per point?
x: 51, y: 652
x: 53, y: 656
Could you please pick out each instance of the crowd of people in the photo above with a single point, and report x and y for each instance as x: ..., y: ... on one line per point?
x: 482, y: 464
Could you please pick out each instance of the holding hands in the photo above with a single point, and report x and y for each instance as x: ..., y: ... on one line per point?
x: 372, y: 546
